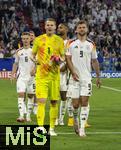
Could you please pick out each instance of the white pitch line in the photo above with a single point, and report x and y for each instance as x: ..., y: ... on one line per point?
x: 99, y: 133
x: 73, y: 133
x: 110, y: 88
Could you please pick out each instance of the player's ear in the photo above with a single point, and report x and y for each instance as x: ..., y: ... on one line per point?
x: 55, y: 27
x: 87, y: 30
x: 76, y: 32
x: 67, y: 30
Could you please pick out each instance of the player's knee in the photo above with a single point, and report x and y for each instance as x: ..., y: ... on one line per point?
x: 84, y: 104
x: 30, y: 95
x: 63, y: 95
x: 75, y: 103
x: 53, y: 102
x: 41, y: 100
x: 75, y: 106
x: 21, y: 95
x: 63, y: 98
x: 84, y: 101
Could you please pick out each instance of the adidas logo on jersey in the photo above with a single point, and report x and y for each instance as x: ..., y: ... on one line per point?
x: 76, y: 46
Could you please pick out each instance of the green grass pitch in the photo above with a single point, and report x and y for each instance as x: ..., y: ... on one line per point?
x: 105, y: 118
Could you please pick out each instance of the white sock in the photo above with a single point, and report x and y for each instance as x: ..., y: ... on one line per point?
x: 35, y: 104
x: 35, y: 108
x: 62, y: 110
x: 83, y: 116
x: 88, y: 109
x: 29, y: 107
x: 75, y: 114
x: 21, y: 106
x: 25, y: 109
x: 69, y: 107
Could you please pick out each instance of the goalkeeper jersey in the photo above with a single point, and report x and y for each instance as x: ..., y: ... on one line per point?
x: 44, y: 47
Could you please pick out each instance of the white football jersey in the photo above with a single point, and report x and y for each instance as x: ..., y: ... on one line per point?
x: 63, y: 75
x: 65, y: 42
x: 81, y: 54
x: 25, y: 64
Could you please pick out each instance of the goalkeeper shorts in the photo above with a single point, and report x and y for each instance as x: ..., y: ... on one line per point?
x: 48, y: 89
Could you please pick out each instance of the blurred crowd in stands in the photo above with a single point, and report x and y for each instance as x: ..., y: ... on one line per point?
x: 103, y: 16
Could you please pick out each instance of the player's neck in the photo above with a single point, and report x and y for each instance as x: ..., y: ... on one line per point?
x: 82, y: 38
x: 64, y: 37
x: 49, y: 34
x: 26, y: 47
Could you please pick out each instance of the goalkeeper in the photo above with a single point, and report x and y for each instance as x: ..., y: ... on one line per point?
x: 48, y: 49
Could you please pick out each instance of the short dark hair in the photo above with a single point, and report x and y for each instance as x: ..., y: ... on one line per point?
x: 25, y: 33
x: 81, y: 22
x: 65, y: 24
x: 50, y: 19
x: 31, y: 31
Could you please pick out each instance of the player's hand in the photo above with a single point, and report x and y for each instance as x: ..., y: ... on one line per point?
x: 98, y: 82
x: 75, y: 76
x: 33, y: 71
x: 55, y: 59
x: 12, y: 78
x: 63, y: 67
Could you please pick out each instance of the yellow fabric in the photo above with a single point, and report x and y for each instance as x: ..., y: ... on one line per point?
x: 41, y: 114
x: 45, y: 46
x: 53, y: 114
x: 47, y: 73
x: 48, y: 89
x: 70, y: 122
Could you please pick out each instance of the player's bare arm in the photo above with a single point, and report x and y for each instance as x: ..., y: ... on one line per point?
x: 71, y: 68
x: 63, y: 67
x: 95, y: 65
x: 33, y: 70
x: 15, y: 67
x: 14, y: 70
x: 33, y: 57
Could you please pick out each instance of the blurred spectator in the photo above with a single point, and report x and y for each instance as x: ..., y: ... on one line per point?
x: 1, y: 52
x: 103, y: 16
x: 118, y: 66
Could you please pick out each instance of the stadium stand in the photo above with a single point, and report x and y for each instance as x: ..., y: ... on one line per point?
x: 103, y: 16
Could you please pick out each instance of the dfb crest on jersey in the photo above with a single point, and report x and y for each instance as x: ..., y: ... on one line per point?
x: 76, y: 46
